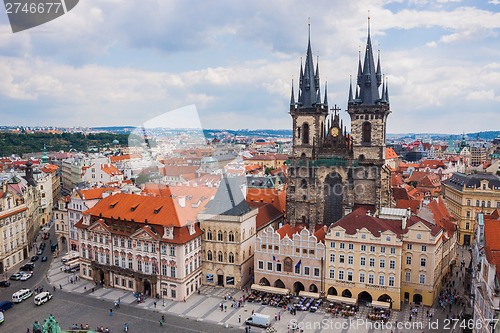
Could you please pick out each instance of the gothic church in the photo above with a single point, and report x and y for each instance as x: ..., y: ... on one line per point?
x: 332, y: 171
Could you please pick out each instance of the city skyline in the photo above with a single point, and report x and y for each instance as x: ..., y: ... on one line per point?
x: 102, y: 65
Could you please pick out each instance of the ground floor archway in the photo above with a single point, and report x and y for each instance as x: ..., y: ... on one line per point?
x: 264, y: 282
x: 417, y: 298
x: 313, y: 288
x: 279, y: 284
x: 332, y: 291
x: 385, y: 298
x: 298, y: 287
x: 365, y: 297
x: 346, y: 293
x: 147, y: 288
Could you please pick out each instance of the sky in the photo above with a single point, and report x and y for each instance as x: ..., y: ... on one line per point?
x: 113, y: 62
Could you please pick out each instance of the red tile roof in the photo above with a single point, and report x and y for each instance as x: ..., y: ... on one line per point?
x: 412, y: 204
x: 110, y: 169
x: 492, y: 242
x: 269, y: 195
x: 390, y: 153
x: 93, y: 193
x: 267, y: 214
x: 114, y: 159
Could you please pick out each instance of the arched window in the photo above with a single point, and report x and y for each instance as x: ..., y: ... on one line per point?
x: 219, y: 257
x: 219, y: 236
x: 231, y: 236
x: 209, y: 255
x: 298, y: 132
x: 305, y: 133
x: 367, y: 132
x: 209, y: 235
x: 231, y: 257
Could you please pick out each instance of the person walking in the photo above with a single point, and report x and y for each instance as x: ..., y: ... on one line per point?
x: 161, y: 322
x: 239, y: 318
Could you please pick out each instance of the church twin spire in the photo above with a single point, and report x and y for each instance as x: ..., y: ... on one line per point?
x: 309, y: 84
x: 369, y: 79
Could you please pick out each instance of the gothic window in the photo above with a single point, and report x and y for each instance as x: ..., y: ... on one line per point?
x: 367, y: 132
x: 298, y: 132
x: 231, y: 236
x: 305, y: 133
x: 231, y: 257
x: 303, y: 187
x: 219, y: 257
x: 333, y: 193
x: 209, y: 255
x: 287, y: 264
x: 219, y: 236
x: 209, y: 235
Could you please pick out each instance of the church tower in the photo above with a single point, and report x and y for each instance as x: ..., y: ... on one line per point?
x: 368, y: 109
x: 308, y: 119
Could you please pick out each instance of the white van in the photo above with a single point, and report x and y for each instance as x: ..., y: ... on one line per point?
x: 43, y: 297
x: 2, y: 318
x: 21, y: 295
x: 260, y: 320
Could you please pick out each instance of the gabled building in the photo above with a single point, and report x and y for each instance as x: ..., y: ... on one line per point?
x: 142, y: 244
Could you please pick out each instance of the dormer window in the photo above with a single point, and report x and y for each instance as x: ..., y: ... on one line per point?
x: 156, y: 211
x: 134, y: 208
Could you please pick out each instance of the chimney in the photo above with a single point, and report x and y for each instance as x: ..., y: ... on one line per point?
x: 182, y: 201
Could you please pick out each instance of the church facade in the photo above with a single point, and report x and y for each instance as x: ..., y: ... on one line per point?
x: 332, y: 171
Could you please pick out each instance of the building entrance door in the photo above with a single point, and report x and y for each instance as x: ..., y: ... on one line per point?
x: 467, y: 240
x: 220, y: 280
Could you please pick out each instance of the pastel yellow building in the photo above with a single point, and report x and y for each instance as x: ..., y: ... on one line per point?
x: 468, y: 195
x: 392, y: 256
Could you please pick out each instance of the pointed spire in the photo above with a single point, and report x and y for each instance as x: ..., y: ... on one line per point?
x: 350, y: 101
x: 386, y: 89
x: 318, y: 98
x: 316, y: 76
x: 360, y: 69
x: 382, y: 99
x: 367, y: 81
x: 325, y: 102
x: 309, y: 83
x: 292, y: 98
x: 379, y: 70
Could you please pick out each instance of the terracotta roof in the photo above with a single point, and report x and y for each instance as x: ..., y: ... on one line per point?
x: 390, y: 153
x: 49, y: 168
x: 442, y: 216
x: 400, y: 193
x: 114, y: 159
x: 396, y: 180
x: 179, y: 170
x: 432, y: 164
x: 492, y: 242
x: 269, y: 195
x: 267, y: 213
x: 93, y: 193
x: 110, y: 169
x: 412, y: 204
x: 287, y: 230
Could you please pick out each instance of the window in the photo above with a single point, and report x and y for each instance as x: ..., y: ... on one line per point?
x: 269, y: 266
x: 422, y: 262
x: 351, y: 246
x: 372, y: 248
x: 341, y: 275
x: 363, y: 248
x: 367, y: 132
x: 362, y: 261
x: 392, y: 264
x: 172, y: 250
x: 408, y: 260
x: 332, y: 273
x: 332, y: 245
x: 123, y: 262
x: 131, y: 263
x: 422, y: 279
x: 172, y: 271
x: 231, y: 257
x: 382, y: 249
x: 219, y: 257
x: 342, y: 246
x: 362, y: 277
x: 139, y: 266
x: 350, y: 260
x: 393, y: 250
x: 261, y: 264
x: 332, y: 257
x: 146, y: 267
x: 297, y: 269
x: 341, y: 258
x: 391, y: 281
x: 173, y: 293
x: 231, y: 236
x: 316, y: 271
x: 407, y: 276
x: 419, y: 236
x: 467, y: 226
x: 424, y: 248
x: 468, y: 202
x: 371, y: 278
x: 363, y: 236
x: 209, y: 235
x: 382, y: 263
x: 372, y: 262
x: 129, y: 244
x: 467, y: 214
x: 219, y: 236
x: 306, y: 270
x: 349, y: 276
x: 305, y: 134
x: 381, y: 280
x: 278, y: 267
x: 477, y: 203
x: 409, y: 247
x: 209, y: 255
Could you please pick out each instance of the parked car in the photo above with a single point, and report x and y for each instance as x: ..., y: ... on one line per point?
x: 5, y: 305
x: 40, y: 251
x: 34, y: 258
x: 25, y: 276
x: 4, y: 284
x: 15, y: 276
x: 27, y: 267
x: 44, y: 258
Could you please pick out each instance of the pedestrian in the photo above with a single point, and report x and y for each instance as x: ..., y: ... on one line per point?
x: 110, y: 312
x: 54, y: 288
x: 28, y: 330
x: 225, y: 308
x: 154, y: 303
x: 252, y: 313
x: 239, y: 318
x: 60, y: 287
x: 279, y: 315
x: 161, y: 322
x: 163, y: 318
